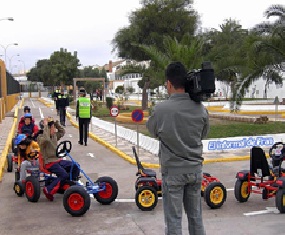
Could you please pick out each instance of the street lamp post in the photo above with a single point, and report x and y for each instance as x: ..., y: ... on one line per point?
x: 5, y: 50
x: 23, y: 65
x: 10, y: 61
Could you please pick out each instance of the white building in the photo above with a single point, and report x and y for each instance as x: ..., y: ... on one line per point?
x: 128, y: 80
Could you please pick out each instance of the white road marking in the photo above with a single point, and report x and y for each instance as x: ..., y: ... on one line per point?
x: 33, y: 104
x: 269, y: 210
x: 230, y: 189
x: 41, y: 113
x: 90, y: 154
x: 69, y: 135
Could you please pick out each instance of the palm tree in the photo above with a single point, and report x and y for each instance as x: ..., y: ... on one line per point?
x: 266, y: 49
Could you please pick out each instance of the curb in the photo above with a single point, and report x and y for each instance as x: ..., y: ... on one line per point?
x: 113, y: 148
x: 3, y: 157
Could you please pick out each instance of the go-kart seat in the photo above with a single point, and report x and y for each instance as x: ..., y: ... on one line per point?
x: 41, y: 164
x: 148, y: 172
x: 258, y: 161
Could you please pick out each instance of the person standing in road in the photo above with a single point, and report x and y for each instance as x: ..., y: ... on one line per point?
x: 180, y: 124
x: 62, y: 103
x: 83, y: 113
x: 56, y: 93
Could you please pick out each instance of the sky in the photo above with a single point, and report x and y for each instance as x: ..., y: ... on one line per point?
x: 88, y: 26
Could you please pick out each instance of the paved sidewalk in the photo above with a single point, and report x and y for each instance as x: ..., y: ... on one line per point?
x: 7, y: 131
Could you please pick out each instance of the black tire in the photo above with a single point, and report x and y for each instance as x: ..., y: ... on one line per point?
x: 264, y: 194
x: 241, y: 190
x: 279, y: 201
x: 76, y: 200
x: 146, y: 198
x: 10, y: 162
x: 19, y: 188
x: 12, y: 144
x: 215, y: 195
x: 110, y: 194
x: 202, y: 190
x: 32, y: 189
x: 17, y: 175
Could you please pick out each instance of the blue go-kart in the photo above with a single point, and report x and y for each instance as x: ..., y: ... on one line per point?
x: 76, y: 198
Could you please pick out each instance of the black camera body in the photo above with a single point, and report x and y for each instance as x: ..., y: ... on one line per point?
x: 200, y: 84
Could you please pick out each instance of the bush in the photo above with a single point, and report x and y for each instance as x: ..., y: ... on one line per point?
x: 109, y: 102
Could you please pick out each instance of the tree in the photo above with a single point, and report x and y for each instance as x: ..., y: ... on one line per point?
x: 147, y: 27
x: 225, y: 49
x: 41, y: 73
x: 119, y: 89
x: 188, y: 51
x: 273, y: 34
x: 64, y: 66
x: 265, y: 51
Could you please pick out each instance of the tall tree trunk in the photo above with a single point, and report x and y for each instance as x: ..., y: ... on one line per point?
x: 145, y: 95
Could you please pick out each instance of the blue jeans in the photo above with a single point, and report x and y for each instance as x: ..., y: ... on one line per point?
x: 178, y: 190
x: 62, y: 171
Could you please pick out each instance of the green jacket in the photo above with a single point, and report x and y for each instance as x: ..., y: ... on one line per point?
x: 48, y: 143
x: 83, y: 108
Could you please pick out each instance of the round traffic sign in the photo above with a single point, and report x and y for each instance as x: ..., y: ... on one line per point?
x: 137, y: 115
x: 114, y: 111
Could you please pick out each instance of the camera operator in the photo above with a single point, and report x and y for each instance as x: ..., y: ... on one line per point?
x: 180, y: 124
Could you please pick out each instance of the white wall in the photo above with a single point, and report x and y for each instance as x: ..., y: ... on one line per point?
x: 256, y: 90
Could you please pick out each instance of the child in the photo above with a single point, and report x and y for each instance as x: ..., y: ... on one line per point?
x: 27, y: 109
x: 29, y: 128
x: 28, y: 150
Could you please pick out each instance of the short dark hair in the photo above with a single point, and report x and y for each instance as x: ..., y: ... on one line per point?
x: 176, y: 74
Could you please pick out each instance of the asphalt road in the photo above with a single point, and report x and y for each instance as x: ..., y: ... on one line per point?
x: 18, y: 216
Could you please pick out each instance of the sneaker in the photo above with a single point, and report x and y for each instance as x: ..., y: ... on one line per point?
x: 79, y: 142
x: 48, y: 195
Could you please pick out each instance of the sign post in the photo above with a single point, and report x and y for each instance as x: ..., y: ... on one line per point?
x: 114, y: 112
x: 276, y: 102
x: 137, y: 116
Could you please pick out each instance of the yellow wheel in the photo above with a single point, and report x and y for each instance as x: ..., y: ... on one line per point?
x: 19, y: 189
x: 242, y: 191
x: 146, y: 198
x: 215, y: 195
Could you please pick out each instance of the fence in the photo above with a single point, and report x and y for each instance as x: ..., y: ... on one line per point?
x: 9, y: 91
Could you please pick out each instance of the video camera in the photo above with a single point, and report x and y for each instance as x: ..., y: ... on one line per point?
x: 200, y: 84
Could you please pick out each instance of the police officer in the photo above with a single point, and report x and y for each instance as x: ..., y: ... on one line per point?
x: 56, y: 93
x: 83, y: 113
x: 62, y: 103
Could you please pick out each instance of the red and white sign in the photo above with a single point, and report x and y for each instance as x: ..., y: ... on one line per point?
x: 114, y: 111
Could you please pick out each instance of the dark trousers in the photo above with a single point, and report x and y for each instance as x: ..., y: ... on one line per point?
x: 83, y: 129
x: 62, y: 115
x: 62, y: 170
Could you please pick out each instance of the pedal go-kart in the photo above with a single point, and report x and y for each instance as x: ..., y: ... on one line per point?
x: 148, y: 188
x: 12, y: 158
x: 76, y: 198
x: 262, y: 179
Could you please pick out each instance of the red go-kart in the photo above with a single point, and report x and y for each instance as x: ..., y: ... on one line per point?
x: 262, y: 179
x: 148, y: 188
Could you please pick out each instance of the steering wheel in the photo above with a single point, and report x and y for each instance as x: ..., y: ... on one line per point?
x: 62, y: 148
x: 278, y: 155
